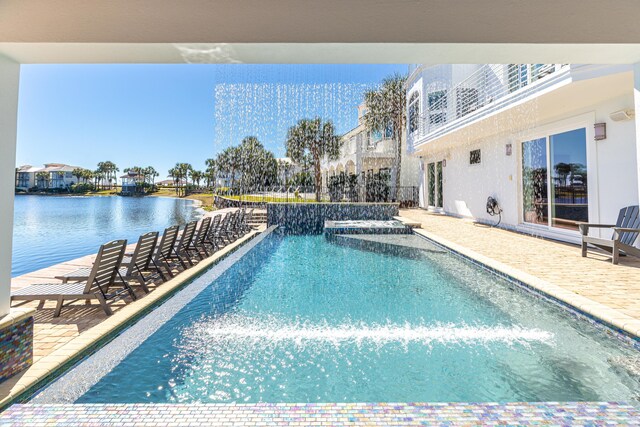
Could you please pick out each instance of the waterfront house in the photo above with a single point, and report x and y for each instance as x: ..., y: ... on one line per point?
x: 49, y: 176
x: 132, y: 183
x: 554, y: 144
x: 365, y: 154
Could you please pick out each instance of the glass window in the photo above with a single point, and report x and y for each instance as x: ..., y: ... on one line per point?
x: 439, y: 184
x: 474, y: 157
x: 569, y: 200
x: 438, y: 100
x: 431, y: 175
x: 554, y: 180
x: 414, y: 112
x: 534, y: 181
x: 388, y: 131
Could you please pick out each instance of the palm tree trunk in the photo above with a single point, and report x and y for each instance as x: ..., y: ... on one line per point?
x: 398, y: 162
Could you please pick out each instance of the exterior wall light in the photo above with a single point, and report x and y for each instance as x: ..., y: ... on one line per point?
x: 600, y: 131
x: 444, y: 163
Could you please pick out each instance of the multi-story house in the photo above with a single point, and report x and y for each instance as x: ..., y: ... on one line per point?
x: 554, y: 144
x: 49, y: 176
x: 366, y: 153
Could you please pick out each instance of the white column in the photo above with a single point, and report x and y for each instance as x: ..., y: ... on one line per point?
x: 636, y: 100
x: 9, y: 77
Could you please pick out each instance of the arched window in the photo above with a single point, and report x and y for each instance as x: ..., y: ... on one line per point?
x: 414, y: 112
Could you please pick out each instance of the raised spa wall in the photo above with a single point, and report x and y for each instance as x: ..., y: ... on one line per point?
x: 16, y: 342
x: 309, y: 218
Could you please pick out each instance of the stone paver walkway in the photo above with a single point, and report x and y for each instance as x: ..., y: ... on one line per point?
x: 593, y: 284
x: 324, y: 414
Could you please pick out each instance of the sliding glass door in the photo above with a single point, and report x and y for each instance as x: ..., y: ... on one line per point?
x: 534, y: 181
x: 431, y: 183
x: 554, y: 180
x: 434, y: 184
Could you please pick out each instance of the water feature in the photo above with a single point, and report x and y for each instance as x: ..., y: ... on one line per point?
x: 50, y: 230
x: 301, y: 319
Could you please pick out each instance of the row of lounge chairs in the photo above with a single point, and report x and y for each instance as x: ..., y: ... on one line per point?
x: 110, y: 278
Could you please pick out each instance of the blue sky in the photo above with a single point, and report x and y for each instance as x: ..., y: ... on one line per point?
x: 158, y: 115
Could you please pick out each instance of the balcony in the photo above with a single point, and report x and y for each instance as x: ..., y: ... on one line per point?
x: 492, y: 87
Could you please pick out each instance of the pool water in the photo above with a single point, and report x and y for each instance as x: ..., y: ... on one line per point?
x: 302, y: 319
x: 52, y: 229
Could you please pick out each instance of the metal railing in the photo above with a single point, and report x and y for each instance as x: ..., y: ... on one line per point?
x: 407, y: 196
x: 488, y: 84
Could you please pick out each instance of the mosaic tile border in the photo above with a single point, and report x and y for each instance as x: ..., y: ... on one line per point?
x: 610, y: 329
x: 16, y: 347
x: 326, y: 414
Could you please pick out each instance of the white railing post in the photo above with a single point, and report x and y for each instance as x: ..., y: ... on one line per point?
x: 9, y: 78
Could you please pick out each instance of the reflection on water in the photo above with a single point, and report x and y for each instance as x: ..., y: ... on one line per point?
x: 49, y: 230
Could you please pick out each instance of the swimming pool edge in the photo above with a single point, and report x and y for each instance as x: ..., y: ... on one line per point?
x: 624, y: 326
x: 50, y: 367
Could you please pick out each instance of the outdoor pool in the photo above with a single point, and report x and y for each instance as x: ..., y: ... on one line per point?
x: 52, y: 229
x: 303, y: 319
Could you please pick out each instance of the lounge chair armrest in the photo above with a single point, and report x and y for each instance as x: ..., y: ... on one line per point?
x: 590, y: 225
x: 627, y: 230
x: 585, y: 226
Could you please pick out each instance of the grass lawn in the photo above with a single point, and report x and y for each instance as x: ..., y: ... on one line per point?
x: 205, y: 198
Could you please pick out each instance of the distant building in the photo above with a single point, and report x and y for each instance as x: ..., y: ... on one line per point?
x: 132, y: 183
x: 49, y: 176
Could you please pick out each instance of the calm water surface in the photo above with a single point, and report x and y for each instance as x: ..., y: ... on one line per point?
x: 50, y: 230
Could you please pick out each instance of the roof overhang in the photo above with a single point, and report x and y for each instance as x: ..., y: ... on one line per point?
x: 319, y: 31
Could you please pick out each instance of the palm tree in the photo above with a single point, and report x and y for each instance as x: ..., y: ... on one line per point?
x: 312, y: 137
x: 44, y: 178
x: 150, y: 172
x: 196, y: 177
x: 210, y: 172
x: 86, y: 175
x: 179, y: 173
x: 78, y: 173
x: 173, y: 174
x: 387, y: 108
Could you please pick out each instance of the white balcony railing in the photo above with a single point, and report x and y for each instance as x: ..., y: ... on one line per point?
x: 485, y: 86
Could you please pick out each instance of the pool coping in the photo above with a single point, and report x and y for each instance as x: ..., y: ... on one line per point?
x: 85, y: 373
x: 48, y: 368
x: 623, y: 326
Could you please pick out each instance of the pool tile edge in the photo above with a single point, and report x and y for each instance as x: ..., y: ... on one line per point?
x: 607, y: 316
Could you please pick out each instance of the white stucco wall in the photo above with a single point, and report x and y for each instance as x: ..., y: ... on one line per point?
x: 612, y: 163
